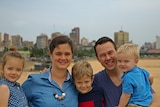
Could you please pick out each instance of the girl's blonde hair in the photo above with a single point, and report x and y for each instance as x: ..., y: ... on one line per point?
x: 129, y: 49
x: 82, y: 68
x: 9, y: 54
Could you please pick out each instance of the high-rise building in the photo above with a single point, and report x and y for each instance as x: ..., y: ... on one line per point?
x: 75, y: 36
x: 6, y: 37
x: 55, y: 34
x: 6, y: 41
x: 121, y: 38
x: 157, y: 42
x: 0, y: 38
x: 16, y: 41
x: 84, y: 41
x: 42, y: 41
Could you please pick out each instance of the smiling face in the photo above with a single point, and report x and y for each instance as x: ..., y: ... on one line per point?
x: 61, y: 56
x: 13, y: 68
x: 126, y: 62
x: 127, y: 56
x: 84, y: 84
x: 106, y: 55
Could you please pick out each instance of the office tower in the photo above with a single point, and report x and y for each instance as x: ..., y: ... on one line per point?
x: 6, y: 37
x: 42, y: 41
x: 121, y: 38
x: 75, y: 36
x: 55, y: 34
x: 0, y: 38
x: 16, y: 41
x: 84, y: 41
x: 6, y: 41
x: 157, y: 42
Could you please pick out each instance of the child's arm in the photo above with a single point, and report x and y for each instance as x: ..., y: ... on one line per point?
x: 124, y: 100
x: 4, y: 95
x: 150, y: 79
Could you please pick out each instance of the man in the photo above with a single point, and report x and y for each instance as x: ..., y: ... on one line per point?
x: 110, y: 78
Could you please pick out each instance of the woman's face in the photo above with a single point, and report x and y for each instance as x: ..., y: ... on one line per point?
x: 61, y: 56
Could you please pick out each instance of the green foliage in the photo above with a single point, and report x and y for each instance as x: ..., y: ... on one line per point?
x: 38, y: 53
x: 81, y: 53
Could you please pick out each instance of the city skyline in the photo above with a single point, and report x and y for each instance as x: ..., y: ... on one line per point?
x: 94, y: 18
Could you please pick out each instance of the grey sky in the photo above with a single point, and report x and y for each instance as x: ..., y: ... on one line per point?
x: 95, y: 18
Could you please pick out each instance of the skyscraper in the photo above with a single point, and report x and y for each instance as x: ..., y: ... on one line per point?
x: 75, y: 36
x: 121, y: 38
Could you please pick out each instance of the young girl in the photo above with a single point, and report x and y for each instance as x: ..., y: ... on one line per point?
x: 11, y: 94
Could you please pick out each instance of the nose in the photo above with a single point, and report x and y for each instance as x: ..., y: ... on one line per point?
x: 107, y: 57
x: 83, y: 85
x: 14, y: 71
x: 63, y: 57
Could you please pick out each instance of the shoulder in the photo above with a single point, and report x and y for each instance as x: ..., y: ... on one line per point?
x: 144, y: 71
x: 100, y: 73
x: 4, y: 89
x: 35, y: 79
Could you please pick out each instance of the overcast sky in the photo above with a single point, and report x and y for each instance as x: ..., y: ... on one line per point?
x: 95, y: 18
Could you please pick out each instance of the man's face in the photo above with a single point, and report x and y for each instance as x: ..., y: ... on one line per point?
x: 107, y: 56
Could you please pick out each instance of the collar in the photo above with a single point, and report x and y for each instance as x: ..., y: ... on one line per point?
x: 47, y: 75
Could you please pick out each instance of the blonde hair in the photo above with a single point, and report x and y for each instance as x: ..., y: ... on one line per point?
x: 129, y: 49
x: 81, y: 68
x: 9, y: 54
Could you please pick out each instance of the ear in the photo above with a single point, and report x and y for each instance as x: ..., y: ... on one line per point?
x: 136, y: 61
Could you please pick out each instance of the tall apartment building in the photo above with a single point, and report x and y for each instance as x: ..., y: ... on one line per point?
x: 42, y: 41
x: 55, y: 34
x: 75, y: 36
x: 28, y: 44
x: 6, y: 37
x: 6, y: 41
x: 121, y: 38
x: 16, y: 41
x: 84, y: 41
x: 157, y: 42
x: 0, y: 38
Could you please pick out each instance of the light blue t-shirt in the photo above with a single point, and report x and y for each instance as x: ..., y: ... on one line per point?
x: 40, y: 90
x: 136, y: 83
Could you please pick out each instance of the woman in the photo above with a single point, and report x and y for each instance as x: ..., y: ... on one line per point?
x: 53, y: 88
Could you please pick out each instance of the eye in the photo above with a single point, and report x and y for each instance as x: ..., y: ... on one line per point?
x: 58, y: 54
x: 19, y: 69
x: 10, y: 68
x: 67, y: 54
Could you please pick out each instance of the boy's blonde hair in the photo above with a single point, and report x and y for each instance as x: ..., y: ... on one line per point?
x: 9, y: 54
x: 129, y: 49
x: 82, y: 68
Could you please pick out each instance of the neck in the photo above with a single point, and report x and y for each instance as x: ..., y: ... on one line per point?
x: 114, y: 72
x: 115, y: 76
x: 58, y: 73
x: 58, y: 76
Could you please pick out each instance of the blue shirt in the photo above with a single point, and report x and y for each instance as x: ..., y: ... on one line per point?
x: 40, y: 90
x: 112, y: 92
x: 136, y: 83
x: 17, y: 97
